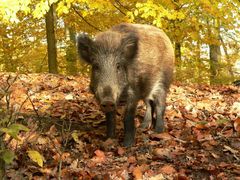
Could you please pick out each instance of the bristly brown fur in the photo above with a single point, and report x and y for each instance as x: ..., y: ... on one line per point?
x: 133, y: 61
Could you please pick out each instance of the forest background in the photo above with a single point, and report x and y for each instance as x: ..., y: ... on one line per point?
x: 39, y: 35
x: 51, y: 126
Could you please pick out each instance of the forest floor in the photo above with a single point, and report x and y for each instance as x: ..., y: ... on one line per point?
x: 67, y: 128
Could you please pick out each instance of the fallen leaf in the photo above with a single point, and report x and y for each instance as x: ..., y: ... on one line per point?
x: 36, y: 157
x: 157, y: 177
x: 42, y: 140
x: 121, y: 151
x: 74, y: 164
x: 131, y: 160
x: 163, y: 136
x: 137, y: 173
x: 162, y: 153
x: 236, y: 125
x: 69, y: 97
x: 167, y: 169
x: 100, y: 157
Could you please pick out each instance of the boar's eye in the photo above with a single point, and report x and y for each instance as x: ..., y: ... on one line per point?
x: 119, y: 66
x: 96, y: 67
x: 92, y: 59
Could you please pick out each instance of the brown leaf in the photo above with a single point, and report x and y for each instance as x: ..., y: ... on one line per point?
x: 52, y: 130
x: 162, y: 153
x: 121, y: 151
x: 163, y: 136
x: 137, y: 173
x: 236, y: 125
x: 167, y: 169
x: 131, y: 160
x: 100, y: 156
x: 42, y: 140
x: 65, y: 156
x: 200, y: 126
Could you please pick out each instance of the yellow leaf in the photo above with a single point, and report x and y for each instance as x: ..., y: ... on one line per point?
x: 36, y: 157
x: 136, y: 12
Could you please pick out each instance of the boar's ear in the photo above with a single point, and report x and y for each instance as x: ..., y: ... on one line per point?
x: 85, y: 47
x: 130, y: 45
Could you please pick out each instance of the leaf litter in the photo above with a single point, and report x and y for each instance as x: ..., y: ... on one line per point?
x: 67, y: 128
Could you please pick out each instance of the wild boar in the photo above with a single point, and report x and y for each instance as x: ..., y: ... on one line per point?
x: 134, y: 61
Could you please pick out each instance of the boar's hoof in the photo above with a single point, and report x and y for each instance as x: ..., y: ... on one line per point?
x: 159, y: 129
x: 128, y: 141
x: 145, y: 125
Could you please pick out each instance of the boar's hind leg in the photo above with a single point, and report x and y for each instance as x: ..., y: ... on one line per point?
x: 148, y: 117
x: 160, y: 101
x: 111, y: 124
x: 129, y: 125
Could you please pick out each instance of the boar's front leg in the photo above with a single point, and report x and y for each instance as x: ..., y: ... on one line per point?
x: 148, y: 117
x: 111, y: 124
x: 160, y: 102
x: 129, y: 125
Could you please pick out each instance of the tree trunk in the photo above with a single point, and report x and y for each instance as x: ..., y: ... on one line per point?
x: 51, y: 41
x: 198, y: 59
x: 178, y: 53
x: 2, y: 169
x: 228, y: 58
x: 71, y: 55
x: 2, y: 163
x: 214, y: 52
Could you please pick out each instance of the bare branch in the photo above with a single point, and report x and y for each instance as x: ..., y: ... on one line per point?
x: 120, y: 4
x: 79, y: 14
x: 119, y: 9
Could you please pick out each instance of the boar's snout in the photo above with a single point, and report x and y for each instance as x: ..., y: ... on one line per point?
x: 107, y: 98
x: 108, y: 105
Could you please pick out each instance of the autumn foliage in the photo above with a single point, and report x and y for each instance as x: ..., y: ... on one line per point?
x: 52, y: 127
x: 205, y: 33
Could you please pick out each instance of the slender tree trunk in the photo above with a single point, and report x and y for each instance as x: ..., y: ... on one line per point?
x: 178, y: 54
x: 51, y: 41
x: 71, y: 55
x: 2, y: 169
x: 2, y: 163
x: 228, y: 58
x: 214, y: 58
x: 198, y: 59
x: 214, y: 50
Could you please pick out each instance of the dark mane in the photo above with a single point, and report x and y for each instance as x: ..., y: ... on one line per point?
x: 123, y: 28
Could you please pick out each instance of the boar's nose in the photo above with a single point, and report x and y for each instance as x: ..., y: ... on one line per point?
x: 108, y: 106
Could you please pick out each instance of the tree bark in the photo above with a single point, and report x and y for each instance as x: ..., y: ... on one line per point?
x: 178, y: 53
x: 214, y: 57
x: 51, y: 41
x: 214, y: 50
x: 2, y: 163
x: 71, y: 55
x: 198, y: 59
x: 228, y: 58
